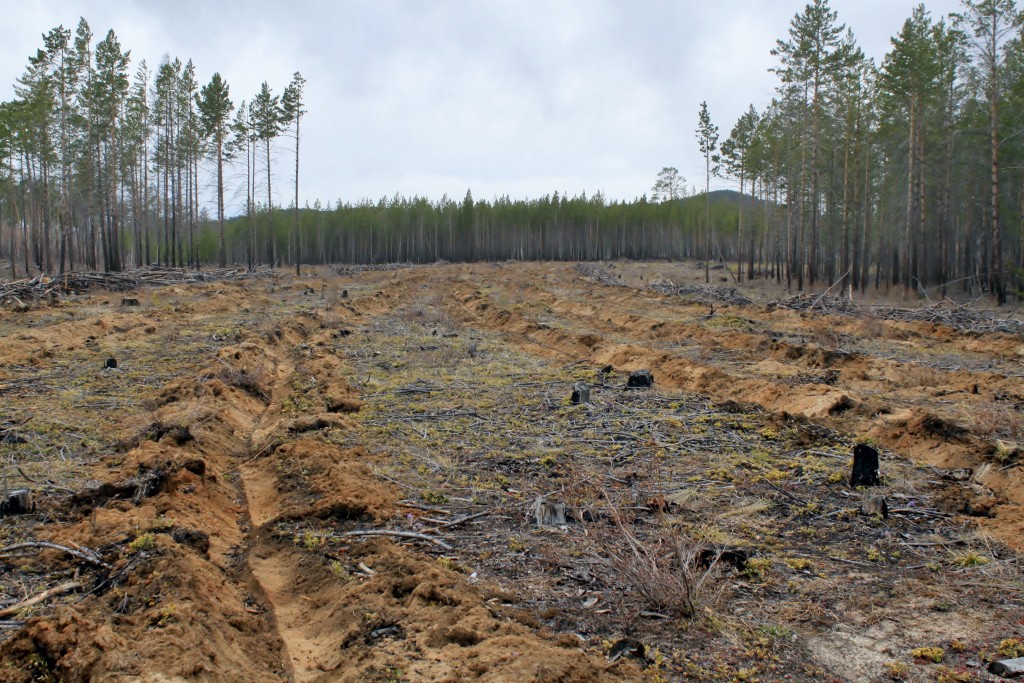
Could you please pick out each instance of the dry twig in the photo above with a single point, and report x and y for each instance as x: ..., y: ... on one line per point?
x: 40, y: 597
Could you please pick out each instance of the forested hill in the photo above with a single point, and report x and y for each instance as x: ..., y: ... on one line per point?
x: 907, y: 172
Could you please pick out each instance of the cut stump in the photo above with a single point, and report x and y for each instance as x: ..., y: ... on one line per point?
x: 580, y: 393
x: 640, y: 379
x: 865, y: 466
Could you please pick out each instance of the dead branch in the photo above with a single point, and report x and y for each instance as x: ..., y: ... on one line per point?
x: 705, y: 294
x: 455, y: 522
x: 40, y: 597
x: 84, y: 554
x: 598, y: 274
x: 400, y: 534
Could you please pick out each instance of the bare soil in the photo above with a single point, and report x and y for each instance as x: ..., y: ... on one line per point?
x: 233, y: 472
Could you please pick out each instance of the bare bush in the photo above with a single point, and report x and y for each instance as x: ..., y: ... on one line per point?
x: 672, y: 571
x: 670, y: 568
x: 255, y: 380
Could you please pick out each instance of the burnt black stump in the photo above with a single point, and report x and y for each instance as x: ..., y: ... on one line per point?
x: 865, y: 466
x: 640, y: 379
x: 17, y: 502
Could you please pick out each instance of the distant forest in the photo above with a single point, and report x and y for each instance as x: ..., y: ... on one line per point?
x: 908, y: 174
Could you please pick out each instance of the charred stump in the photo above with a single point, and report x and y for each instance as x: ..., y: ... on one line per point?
x: 865, y: 467
x: 640, y: 379
x: 16, y: 502
x: 580, y: 393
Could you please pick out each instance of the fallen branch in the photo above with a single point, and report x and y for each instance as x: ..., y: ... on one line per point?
x: 919, y: 511
x: 36, y: 599
x: 45, y: 482
x: 84, y: 554
x: 455, y: 522
x: 400, y: 534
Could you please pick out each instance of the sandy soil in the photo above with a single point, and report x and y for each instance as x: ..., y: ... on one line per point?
x: 252, y: 429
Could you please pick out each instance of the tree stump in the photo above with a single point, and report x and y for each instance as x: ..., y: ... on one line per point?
x: 1008, y: 668
x: 547, y: 513
x: 17, y: 502
x: 110, y: 364
x: 865, y: 466
x: 640, y: 379
x: 874, y: 505
x: 580, y: 393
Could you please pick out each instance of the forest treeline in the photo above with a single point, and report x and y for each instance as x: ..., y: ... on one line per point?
x: 908, y: 173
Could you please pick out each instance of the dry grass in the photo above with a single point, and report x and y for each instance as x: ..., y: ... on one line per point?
x: 995, y: 422
x: 672, y: 570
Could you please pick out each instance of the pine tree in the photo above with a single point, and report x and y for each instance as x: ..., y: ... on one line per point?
x: 292, y: 111
x: 707, y: 141
x: 669, y: 186
x: 266, y: 118
x: 215, y: 110
x: 808, y: 60
x: 990, y: 23
x: 736, y: 160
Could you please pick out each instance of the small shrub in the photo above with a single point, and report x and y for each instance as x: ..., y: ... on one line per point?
x: 1012, y: 648
x: 947, y: 675
x: 798, y: 563
x: 254, y: 381
x: 146, y: 541
x: 756, y: 568
x: 549, y: 461
x: 971, y: 558
x: 928, y: 654
x: 434, y: 498
x: 339, y: 570
x: 897, y: 671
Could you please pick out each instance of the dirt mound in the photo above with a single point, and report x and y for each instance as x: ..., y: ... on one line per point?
x: 310, y: 478
x: 405, y: 616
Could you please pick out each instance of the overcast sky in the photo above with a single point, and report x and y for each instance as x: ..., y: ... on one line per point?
x: 517, y: 97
